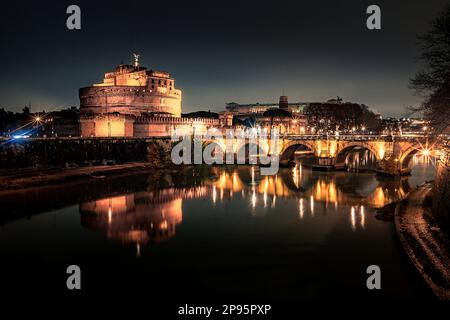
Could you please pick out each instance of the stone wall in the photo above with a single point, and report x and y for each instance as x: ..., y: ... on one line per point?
x: 129, y: 100
x: 62, y: 152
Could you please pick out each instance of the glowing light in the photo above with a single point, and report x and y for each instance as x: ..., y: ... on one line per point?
x: 381, y: 152
x: 109, y: 215
x: 253, y: 199
x: 214, y: 194
x: 253, y: 174
x: 138, y: 250
x: 379, y: 198
x: 301, y: 209
x: 265, y: 199
x: 295, y: 176
x: 352, y: 218
x: 163, y: 225
x: 332, y: 148
x: 311, y: 204
x: 363, y: 216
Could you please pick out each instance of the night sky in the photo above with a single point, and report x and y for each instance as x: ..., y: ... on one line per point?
x: 217, y: 51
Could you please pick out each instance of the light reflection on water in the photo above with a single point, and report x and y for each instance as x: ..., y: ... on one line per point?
x: 360, y: 159
x: 152, y: 217
x: 230, y: 231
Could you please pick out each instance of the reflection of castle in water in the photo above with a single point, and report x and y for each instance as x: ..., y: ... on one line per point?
x: 132, y: 219
x: 139, y: 218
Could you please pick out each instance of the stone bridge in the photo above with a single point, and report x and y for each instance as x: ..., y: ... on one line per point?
x: 393, y: 154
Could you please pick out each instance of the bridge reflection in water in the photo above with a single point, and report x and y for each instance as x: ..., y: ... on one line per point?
x: 151, y: 217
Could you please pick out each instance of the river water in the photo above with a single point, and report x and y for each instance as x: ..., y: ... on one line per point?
x: 211, y: 233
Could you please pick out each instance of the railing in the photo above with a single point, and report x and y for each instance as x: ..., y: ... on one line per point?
x: 352, y: 137
x: 8, y: 139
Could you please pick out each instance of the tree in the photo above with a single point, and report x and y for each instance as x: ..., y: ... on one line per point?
x: 433, y: 82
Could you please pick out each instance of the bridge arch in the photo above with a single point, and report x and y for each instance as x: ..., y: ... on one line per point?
x: 342, y: 153
x: 288, y: 151
x: 407, y: 155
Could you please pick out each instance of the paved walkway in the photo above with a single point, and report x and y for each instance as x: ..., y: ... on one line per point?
x: 426, y: 246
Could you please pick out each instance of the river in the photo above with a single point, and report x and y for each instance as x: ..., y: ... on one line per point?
x: 209, y: 234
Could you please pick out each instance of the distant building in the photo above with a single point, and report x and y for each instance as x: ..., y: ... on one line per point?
x: 285, y: 116
x: 404, y: 126
x: 240, y: 110
x: 330, y: 117
x: 285, y: 121
x: 64, y: 123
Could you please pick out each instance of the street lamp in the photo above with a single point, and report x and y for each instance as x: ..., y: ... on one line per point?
x: 38, y: 121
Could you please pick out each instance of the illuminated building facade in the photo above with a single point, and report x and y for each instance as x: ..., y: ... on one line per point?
x: 133, y: 101
x: 240, y: 110
x: 287, y: 117
x: 132, y: 90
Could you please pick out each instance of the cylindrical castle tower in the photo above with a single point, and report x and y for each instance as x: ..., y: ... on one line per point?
x: 132, y: 90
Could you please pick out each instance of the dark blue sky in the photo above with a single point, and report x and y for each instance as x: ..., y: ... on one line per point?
x: 217, y: 51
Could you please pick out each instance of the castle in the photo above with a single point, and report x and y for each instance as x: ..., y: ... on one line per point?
x: 133, y: 101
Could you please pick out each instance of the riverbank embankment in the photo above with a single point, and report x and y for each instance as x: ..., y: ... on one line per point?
x: 37, y: 178
x: 425, y: 243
